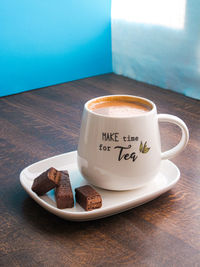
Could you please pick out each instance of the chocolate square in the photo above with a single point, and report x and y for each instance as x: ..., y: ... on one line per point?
x: 46, y: 181
x: 88, y: 197
x: 63, y: 192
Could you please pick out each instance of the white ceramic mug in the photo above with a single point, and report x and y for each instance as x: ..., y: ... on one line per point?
x: 123, y: 153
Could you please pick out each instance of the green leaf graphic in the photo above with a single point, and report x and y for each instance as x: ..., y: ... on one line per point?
x: 141, y: 147
x: 144, y: 149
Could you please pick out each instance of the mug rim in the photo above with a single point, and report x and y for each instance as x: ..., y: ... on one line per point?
x: 143, y: 99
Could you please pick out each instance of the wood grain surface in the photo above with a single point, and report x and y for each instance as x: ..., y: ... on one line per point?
x: 42, y: 123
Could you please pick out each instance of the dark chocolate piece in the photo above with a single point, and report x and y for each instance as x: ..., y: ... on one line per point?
x: 46, y: 181
x: 63, y: 192
x: 88, y: 198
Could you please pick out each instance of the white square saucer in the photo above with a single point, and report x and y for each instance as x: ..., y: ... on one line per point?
x: 113, y: 201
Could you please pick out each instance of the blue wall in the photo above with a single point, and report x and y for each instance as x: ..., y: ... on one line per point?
x: 153, y: 48
x: 48, y: 42
x: 45, y: 42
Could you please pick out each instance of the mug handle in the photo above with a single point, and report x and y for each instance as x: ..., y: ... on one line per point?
x: 184, y: 138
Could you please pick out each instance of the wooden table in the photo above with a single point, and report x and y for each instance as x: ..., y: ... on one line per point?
x: 46, y: 122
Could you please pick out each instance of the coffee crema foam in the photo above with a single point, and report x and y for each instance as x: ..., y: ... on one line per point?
x: 119, y: 108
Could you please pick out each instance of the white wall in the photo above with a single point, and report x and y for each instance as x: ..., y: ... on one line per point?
x: 158, y: 42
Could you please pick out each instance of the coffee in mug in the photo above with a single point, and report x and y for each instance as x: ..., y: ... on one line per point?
x: 119, y: 145
x: 118, y: 107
